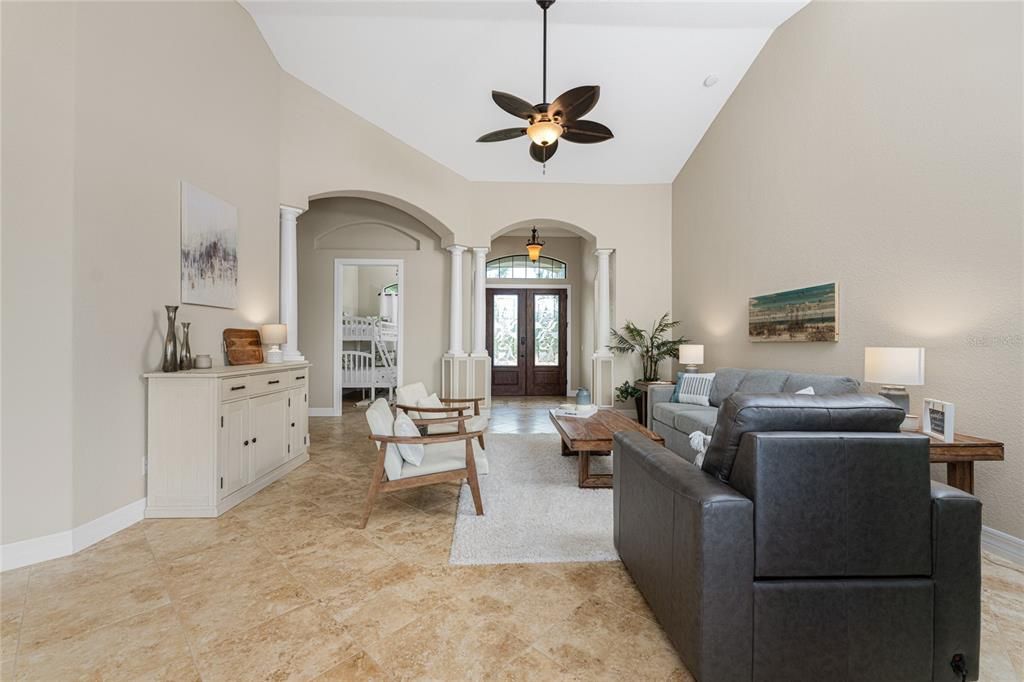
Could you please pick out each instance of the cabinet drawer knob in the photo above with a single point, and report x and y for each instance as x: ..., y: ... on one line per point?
x: 293, y: 424
x: 245, y: 443
x: 238, y: 388
x: 275, y: 381
x: 254, y: 440
x: 302, y: 377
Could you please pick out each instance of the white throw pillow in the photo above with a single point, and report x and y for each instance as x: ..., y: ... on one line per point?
x: 431, y: 401
x: 699, y: 441
x: 806, y: 391
x: 411, y: 452
x: 694, y: 389
x: 381, y: 422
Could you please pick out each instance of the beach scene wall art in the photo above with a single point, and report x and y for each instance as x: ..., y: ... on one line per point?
x: 808, y: 314
x: 209, y: 249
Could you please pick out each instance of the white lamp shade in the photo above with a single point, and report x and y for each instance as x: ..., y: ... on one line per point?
x: 691, y: 354
x: 274, y: 334
x: 894, y: 366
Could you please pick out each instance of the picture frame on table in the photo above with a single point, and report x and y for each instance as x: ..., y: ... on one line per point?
x: 938, y: 419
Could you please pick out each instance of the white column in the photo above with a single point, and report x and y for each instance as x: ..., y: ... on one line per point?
x: 455, y: 313
x: 289, y: 282
x: 479, y: 301
x: 604, y: 304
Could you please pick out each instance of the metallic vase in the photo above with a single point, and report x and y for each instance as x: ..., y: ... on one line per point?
x: 170, y: 363
x: 185, y: 359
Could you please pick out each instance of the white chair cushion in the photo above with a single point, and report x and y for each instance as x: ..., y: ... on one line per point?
x: 381, y: 422
x: 411, y: 452
x: 411, y: 395
x: 476, y: 423
x: 445, y: 457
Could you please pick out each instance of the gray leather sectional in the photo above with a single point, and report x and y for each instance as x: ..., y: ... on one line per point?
x: 675, y: 421
x: 810, y: 545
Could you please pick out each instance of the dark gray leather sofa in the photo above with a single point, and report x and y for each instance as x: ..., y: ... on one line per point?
x: 676, y: 421
x: 810, y: 546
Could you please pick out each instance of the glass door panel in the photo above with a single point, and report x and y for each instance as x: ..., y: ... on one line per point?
x: 506, y: 330
x: 546, y: 332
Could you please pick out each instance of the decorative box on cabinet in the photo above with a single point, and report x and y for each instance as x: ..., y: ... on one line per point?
x: 217, y: 436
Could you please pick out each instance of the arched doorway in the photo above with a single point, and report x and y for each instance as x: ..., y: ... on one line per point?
x: 347, y: 232
x: 542, y: 316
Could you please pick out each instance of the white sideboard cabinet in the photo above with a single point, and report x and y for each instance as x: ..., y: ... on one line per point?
x: 217, y: 436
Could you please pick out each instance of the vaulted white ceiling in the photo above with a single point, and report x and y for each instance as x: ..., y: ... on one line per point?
x: 424, y: 70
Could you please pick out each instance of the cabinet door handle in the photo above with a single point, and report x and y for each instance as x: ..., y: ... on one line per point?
x: 275, y: 381
x: 254, y: 440
x: 293, y: 425
x: 302, y: 377
x: 238, y: 388
x: 246, y: 443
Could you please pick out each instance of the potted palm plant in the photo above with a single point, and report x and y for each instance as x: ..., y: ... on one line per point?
x: 653, y: 347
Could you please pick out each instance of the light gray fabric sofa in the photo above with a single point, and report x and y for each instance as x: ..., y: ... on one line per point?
x: 676, y: 421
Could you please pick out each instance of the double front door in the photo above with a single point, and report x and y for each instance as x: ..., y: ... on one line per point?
x: 526, y: 337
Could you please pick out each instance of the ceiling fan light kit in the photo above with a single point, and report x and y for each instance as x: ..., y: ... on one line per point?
x: 550, y: 122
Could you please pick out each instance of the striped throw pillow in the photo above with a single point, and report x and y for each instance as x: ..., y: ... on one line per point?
x: 694, y: 389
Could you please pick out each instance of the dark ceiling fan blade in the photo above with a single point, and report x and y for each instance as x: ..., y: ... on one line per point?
x: 586, y: 132
x: 513, y: 105
x: 503, y: 134
x: 576, y: 103
x: 543, y: 154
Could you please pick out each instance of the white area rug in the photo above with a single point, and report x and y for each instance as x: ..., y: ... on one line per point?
x: 533, y: 510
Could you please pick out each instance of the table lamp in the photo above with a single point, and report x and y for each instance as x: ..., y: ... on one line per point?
x: 274, y: 335
x: 691, y: 355
x: 895, y: 369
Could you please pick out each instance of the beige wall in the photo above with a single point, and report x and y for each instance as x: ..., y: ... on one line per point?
x: 878, y: 145
x: 566, y: 249
x: 350, y: 228
x: 38, y: 220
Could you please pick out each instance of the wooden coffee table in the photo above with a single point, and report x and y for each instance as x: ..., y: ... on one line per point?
x: 593, y: 436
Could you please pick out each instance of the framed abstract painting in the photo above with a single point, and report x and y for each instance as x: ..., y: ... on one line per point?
x: 807, y: 314
x: 209, y: 249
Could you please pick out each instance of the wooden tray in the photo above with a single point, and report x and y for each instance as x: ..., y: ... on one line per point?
x: 243, y: 346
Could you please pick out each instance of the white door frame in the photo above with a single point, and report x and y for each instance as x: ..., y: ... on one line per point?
x: 339, y: 264
x: 568, y: 322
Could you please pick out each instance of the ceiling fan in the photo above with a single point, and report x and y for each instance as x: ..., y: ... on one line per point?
x: 550, y: 122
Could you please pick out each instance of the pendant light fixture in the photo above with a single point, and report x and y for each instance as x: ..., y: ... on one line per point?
x: 534, y: 246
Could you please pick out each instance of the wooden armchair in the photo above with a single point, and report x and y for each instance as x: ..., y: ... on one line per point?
x: 410, y: 399
x: 444, y: 460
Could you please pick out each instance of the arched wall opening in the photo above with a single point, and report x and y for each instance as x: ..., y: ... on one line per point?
x: 341, y: 233
x: 575, y: 246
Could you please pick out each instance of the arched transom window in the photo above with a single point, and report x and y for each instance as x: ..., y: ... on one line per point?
x: 520, y: 267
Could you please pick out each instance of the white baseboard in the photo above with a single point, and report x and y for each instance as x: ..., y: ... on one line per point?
x: 56, y: 545
x: 90, y: 533
x: 323, y: 412
x: 1002, y: 544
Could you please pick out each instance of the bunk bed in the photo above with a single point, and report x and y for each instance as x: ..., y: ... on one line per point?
x: 373, y: 364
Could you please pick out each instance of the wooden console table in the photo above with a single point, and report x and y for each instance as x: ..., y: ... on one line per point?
x: 642, y: 398
x: 960, y: 456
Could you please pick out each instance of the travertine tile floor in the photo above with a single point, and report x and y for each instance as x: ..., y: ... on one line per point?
x: 284, y: 587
